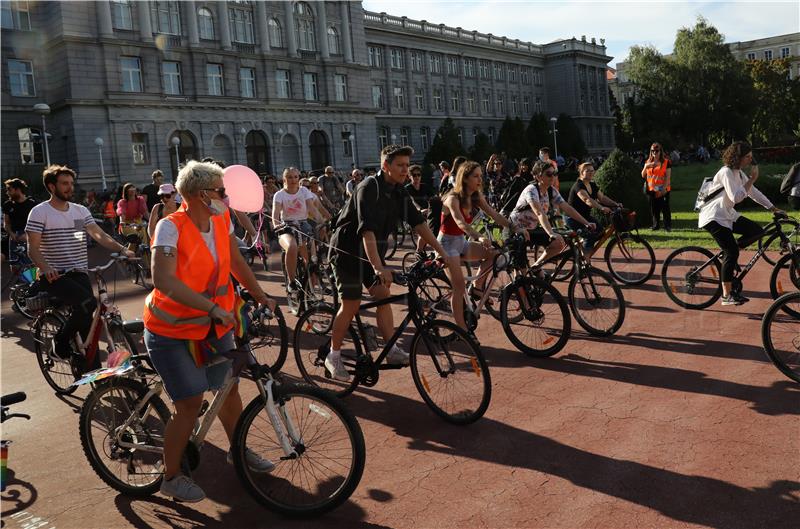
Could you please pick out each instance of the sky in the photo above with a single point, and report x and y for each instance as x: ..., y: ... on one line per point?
x: 622, y: 24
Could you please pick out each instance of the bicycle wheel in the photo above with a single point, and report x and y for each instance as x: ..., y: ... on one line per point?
x: 329, y: 444
x: 19, y: 300
x: 408, y: 260
x: 392, y: 242
x: 539, y: 325
x: 549, y: 266
x: 780, y: 334
x: 312, y: 342
x: 59, y: 373
x: 685, y: 283
x: 630, y: 259
x: 272, y: 344
x: 596, y: 301
x: 495, y: 298
x: 785, y: 276
x: 450, y: 372
x: 104, y: 434
x: 773, y: 242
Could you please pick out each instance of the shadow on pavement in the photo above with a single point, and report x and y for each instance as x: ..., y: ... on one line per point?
x: 18, y: 496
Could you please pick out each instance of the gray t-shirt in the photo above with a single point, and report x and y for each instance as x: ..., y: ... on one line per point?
x: 63, y: 234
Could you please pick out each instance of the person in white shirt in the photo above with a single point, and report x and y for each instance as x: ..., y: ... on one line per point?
x: 719, y: 217
x: 356, y: 177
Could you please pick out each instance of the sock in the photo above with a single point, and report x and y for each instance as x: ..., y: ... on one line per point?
x: 335, y: 353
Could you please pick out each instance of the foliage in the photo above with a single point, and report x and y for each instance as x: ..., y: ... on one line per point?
x: 539, y: 133
x: 482, y: 149
x: 570, y: 139
x: 785, y: 154
x: 620, y: 178
x: 777, y: 102
x: 446, y: 145
x: 512, y: 139
x: 622, y: 134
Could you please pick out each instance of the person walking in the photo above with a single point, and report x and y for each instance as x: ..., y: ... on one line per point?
x: 16, y: 210
x: 657, y: 172
x: 150, y: 191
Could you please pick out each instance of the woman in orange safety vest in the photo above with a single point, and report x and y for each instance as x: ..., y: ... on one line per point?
x: 658, y: 174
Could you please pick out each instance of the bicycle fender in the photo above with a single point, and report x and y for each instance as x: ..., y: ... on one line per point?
x: 103, y: 373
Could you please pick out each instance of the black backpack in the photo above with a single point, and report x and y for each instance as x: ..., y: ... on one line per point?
x: 790, y: 180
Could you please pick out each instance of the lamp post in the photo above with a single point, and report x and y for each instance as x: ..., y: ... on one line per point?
x: 555, y: 138
x: 43, y: 109
x: 175, y: 142
x: 99, y: 142
x: 352, y: 139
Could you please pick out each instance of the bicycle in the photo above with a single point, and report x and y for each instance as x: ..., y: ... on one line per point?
x: 315, y: 279
x: 774, y: 247
x: 21, y: 275
x: 444, y: 359
x: 691, y: 276
x: 780, y: 334
x: 60, y: 373
x: 139, y: 269
x: 6, y: 401
x: 314, y: 441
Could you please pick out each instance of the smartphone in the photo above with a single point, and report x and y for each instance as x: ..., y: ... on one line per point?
x: 753, y: 162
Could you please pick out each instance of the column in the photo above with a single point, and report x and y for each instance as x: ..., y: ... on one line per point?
x: 145, y: 29
x: 190, y: 15
x: 322, y: 17
x: 411, y: 91
x: 346, y: 39
x: 224, y: 25
x: 291, y: 35
x: 104, y: 18
x: 261, y: 26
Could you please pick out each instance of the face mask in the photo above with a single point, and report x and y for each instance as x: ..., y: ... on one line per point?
x: 227, y: 201
x: 215, y: 206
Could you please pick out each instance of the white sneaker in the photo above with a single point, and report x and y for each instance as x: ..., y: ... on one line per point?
x: 336, y: 367
x: 255, y: 462
x: 182, y: 488
x: 397, y: 357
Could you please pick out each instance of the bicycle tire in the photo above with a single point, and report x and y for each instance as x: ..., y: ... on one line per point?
x: 630, y: 265
x: 495, y: 298
x: 58, y: 373
x: 19, y: 295
x: 773, y: 252
x: 583, y: 307
x: 549, y: 267
x: 263, y: 346
x: 456, y: 346
x: 783, y: 352
x: 785, y: 276
x: 680, y: 282
x: 544, y: 300
x: 334, y: 487
x: 311, y: 344
x: 126, y: 394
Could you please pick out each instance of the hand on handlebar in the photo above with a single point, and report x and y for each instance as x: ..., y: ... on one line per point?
x: 128, y: 253
x: 221, y: 316
x: 384, y: 276
x: 780, y: 214
x: 606, y: 210
x: 50, y: 274
x: 265, y: 301
x: 485, y: 242
x: 591, y: 226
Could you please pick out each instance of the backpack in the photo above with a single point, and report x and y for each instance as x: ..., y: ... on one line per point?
x: 706, y: 193
x: 790, y: 179
x: 510, y: 204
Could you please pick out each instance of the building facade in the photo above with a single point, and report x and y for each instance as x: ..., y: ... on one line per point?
x: 137, y: 86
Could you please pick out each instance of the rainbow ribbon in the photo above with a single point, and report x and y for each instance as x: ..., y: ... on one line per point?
x: 202, y: 351
x: 4, y: 465
x: 241, y: 318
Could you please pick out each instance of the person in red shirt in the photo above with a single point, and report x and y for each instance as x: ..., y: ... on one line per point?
x: 132, y: 212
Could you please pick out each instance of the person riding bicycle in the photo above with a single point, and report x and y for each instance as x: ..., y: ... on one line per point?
x: 188, y: 316
x: 57, y: 232
x: 132, y: 209
x: 584, y: 196
x: 719, y: 217
x: 15, y: 213
x: 167, y: 206
x: 358, y: 246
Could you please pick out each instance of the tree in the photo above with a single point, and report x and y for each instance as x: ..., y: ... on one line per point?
x: 570, y: 140
x: 446, y: 145
x: 538, y: 132
x: 777, y: 102
x: 622, y: 135
x: 619, y: 177
x: 512, y: 139
x: 482, y: 149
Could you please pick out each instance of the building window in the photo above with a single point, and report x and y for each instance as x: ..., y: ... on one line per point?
x: 490, y: 134
x: 593, y: 102
x: 166, y: 17
x: 589, y: 140
x: 399, y: 97
x: 20, y: 78
x: 397, y: 59
x: 304, y: 23
x: 784, y: 53
x: 310, y: 87
x: 171, y: 74
x: 416, y: 61
x: 751, y: 56
x: 383, y: 137
x: 485, y: 101
x: 131, y: 74
x: 483, y: 67
x: 140, y: 151
x: 598, y: 133
x: 435, y: 63
x: 452, y: 65
x: 419, y: 98
x: 214, y: 78
x: 538, y: 105
x: 583, y: 104
x: 283, y: 81
x: 437, y: 99
x: 512, y: 74
x: 526, y: 105
x: 404, y: 136
x: 537, y: 77
x: 455, y: 101
x: 768, y: 55
x: 469, y: 68
x: 15, y: 15
x: 501, y: 104
x: 31, y: 147
x: 376, y: 56
x: 475, y: 132
x: 275, y: 33
x: 525, y: 75
x: 460, y: 131
x: 471, y: 101
x: 205, y: 23
x: 377, y: 97
x: 340, y: 82
x: 247, y: 82
x: 424, y: 137
x: 121, y: 14
x: 334, y: 45
x: 514, y: 105
x: 347, y: 147
x: 499, y: 72
x: 241, y: 22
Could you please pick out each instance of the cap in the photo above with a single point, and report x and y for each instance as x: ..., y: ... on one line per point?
x: 166, y: 189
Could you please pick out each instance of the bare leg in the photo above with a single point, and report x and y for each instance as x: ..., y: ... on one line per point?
x: 456, y: 277
x: 230, y: 411
x: 289, y: 246
x: 384, y: 317
x: 553, y: 249
x: 177, y: 433
x: 347, y: 310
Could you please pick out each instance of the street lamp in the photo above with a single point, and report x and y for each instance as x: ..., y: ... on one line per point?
x: 175, y: 142
x: 555, y: 138
x: 99, y: 142
x: 352, y: 140
x: 43, y: 109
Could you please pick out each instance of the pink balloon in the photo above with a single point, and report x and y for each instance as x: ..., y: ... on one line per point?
x: 243, y: 187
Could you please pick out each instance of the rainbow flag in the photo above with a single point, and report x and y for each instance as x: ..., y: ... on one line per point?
x: 202, y: 351
x: 4, y: 465
x: 241, y: 318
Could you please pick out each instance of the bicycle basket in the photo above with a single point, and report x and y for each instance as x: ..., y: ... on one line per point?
x: 37, y: 302
x: 624, y: 220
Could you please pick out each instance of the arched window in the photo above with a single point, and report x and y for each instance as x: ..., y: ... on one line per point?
x: 304, y: 23
x: 205, y: 23
x: 275, y: 33
x: 31, y: 146
x: 333, y: 41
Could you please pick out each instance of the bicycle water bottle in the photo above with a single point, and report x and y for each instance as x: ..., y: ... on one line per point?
x: 370, y: 338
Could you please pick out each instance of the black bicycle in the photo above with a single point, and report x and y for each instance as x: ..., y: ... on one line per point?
x: 314, y: 280
x: 692, y: 277
x: 780, y: 334
x: 447, y: 366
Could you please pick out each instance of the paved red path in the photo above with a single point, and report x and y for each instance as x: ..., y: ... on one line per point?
x: 677, y: 421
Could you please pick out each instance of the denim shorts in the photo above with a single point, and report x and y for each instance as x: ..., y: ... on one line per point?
x: 181, y: 377
x: 454, y: 245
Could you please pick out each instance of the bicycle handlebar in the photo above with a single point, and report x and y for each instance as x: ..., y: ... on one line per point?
x: 13, y: 398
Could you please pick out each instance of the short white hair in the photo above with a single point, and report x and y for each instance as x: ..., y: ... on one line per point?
x: 197, y: 176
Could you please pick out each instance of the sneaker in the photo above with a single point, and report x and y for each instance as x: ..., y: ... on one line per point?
x: 734, y: 299
x: 255, y: 462
x: 397, y: 357
x: 292, y: 287
x: 336, y: 367
x: 182, y: 488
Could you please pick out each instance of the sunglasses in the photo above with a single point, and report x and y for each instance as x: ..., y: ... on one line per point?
x: 218, y: 190
x: 416, y: 175
x: 655, y: 150
x: 167, y: 195
x: 549, y: 173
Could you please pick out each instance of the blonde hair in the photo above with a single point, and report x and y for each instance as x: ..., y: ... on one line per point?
x: 459, y: 189
x: 197, y: 176
x: 583, y: 166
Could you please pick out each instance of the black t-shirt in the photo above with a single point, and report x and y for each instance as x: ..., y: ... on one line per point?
x: 575, y: 201
x: 150, y: 191
x: 421, y: 196
x: 375, y: 206
x: 18, y: 213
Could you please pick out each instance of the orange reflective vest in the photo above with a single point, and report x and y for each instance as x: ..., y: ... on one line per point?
x: 109, y: 211
x: 196, y: 268
x: 657, y: 176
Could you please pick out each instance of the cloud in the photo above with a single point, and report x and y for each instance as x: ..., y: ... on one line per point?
x: 622, y: 24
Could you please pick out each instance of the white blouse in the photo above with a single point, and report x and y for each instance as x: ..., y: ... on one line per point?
x: 721, y: 207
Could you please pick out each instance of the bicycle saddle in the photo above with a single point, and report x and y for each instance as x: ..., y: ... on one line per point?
x: 133, y: 326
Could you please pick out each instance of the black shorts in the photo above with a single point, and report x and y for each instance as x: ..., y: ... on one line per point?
x: 539, y: 237
x: 351, y: 274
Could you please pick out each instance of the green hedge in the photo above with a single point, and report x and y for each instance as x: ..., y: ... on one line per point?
x: 621, y: 179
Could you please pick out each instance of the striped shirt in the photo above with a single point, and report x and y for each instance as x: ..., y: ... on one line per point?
x: 63, y: 234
